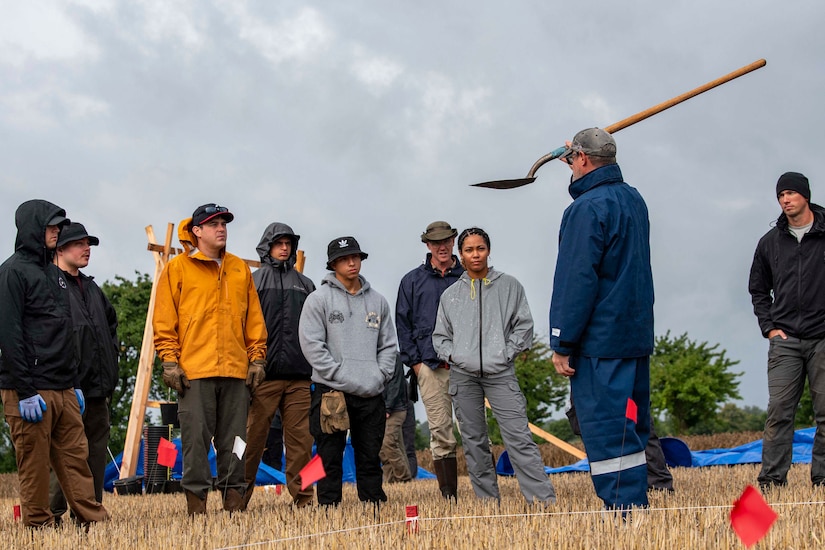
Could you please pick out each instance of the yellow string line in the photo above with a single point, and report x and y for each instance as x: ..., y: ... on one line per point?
x: 500, y: 516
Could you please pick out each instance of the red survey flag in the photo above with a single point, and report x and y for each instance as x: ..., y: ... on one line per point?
x: 167, y: 453
x: 751, y: 517
x: 312, y: 472
x: 632, y: 410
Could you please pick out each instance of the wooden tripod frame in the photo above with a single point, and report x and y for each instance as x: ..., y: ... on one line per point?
x: 143, y: 381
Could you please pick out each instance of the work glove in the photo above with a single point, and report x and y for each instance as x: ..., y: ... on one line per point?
x: 81, y: 400
x: 32, y: 408
x: 256, y: 374
x: 174, y: 377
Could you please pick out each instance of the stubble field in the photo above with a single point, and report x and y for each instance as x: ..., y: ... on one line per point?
x: 695, y: 516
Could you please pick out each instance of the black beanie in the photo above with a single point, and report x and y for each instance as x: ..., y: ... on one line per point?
x: 794, y: 181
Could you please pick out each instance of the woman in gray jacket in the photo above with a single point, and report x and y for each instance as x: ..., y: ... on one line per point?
x: 483, y: 323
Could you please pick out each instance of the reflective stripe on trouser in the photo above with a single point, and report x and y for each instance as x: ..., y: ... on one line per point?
x: 614, y: 444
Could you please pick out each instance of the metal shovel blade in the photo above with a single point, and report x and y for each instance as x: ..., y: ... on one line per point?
x: 505, y: 184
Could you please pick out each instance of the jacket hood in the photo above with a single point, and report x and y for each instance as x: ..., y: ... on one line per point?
x: 273, y: 232
x: 610, y: 173
x: 492, y: 275
x: 819, y: 219
x: 185, y: 236
x: 31, y: 219
x: 331, y: 280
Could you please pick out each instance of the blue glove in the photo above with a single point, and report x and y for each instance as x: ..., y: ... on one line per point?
x: 32, y: 408
x: 80, y: 400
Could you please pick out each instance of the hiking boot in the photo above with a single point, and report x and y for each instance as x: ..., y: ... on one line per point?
x: 194, y: 504
x: 233, y: 501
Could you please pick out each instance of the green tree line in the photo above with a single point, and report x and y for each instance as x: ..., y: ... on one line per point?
x: 692, y: 384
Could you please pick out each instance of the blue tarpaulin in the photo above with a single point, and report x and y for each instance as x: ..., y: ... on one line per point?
x: 676, y: 454
x: 266, y: 474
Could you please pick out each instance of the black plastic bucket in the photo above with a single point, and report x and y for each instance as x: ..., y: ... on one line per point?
x: 129, y: 486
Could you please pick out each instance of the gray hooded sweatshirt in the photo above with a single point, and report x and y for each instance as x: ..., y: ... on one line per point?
x: 482, y: 325
x: 349, y: 340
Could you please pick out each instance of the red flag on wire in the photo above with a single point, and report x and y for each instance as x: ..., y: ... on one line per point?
x: 751, y: 517
x: 167, y: 453
x: 312, y: 472
x: 632, y: 410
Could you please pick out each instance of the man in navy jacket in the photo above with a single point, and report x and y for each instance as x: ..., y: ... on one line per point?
x: 415, y: 312
x: 601, y: 317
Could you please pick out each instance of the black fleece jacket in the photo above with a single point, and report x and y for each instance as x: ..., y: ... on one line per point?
x: 787, y: 279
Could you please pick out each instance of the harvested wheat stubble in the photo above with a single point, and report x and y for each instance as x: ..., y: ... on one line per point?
x: 696, y: 516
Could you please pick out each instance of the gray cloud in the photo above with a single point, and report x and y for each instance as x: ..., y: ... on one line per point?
x: 372, y: 119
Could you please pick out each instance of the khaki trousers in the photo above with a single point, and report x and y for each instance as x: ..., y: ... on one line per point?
x: 434, y: 386
x: 393, y: 454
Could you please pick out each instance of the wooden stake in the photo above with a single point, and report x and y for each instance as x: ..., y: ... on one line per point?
x: 143, y: 380
x: 550, y: 438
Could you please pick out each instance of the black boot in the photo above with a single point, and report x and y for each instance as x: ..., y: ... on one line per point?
x: 449, y: 468
x: 438, y: 466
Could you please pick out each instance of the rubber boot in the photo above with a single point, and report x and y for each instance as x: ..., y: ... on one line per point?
x: 449, y: 468
x: 438, y: 468
x: 195, y: 505
x: 233, y: 500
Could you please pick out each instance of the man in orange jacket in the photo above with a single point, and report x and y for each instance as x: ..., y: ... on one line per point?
x: 211, y: 336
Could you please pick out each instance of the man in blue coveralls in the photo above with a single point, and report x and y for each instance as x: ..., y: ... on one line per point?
x: 601, y: 317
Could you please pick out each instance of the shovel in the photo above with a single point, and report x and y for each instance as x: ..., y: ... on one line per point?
x: 613, y: 128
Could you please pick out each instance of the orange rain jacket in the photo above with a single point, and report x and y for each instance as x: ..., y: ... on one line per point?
x: 207, y: 316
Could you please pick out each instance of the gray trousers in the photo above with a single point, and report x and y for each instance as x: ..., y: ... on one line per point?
x: 789, y: 362
x: 508, y: 403
x: 212, y: 407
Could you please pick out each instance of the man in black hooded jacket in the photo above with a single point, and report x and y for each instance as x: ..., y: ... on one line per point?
x: 282, y: 291
x: 95, y: 330
x: 42, y: 400
x: 786, y: 287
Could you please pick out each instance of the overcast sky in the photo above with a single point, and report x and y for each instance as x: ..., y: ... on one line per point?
x: 371, y: 119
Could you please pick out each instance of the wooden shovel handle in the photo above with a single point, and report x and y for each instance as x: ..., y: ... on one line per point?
x: 647, y: 113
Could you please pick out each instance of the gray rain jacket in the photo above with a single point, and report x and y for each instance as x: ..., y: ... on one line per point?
x: 349, y: 340
x: 482, y: 325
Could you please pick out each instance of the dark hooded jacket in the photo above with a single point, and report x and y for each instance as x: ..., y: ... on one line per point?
x: 786, y: 279
x: 35, y: 320
x: 282, y: 291
x: 95, y: 330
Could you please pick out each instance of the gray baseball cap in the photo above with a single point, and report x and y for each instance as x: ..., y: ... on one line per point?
x: 593, y: 142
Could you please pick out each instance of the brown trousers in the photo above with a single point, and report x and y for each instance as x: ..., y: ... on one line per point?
x: 60, y: 441
x: 96, y: 424
x: 292, y: 398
